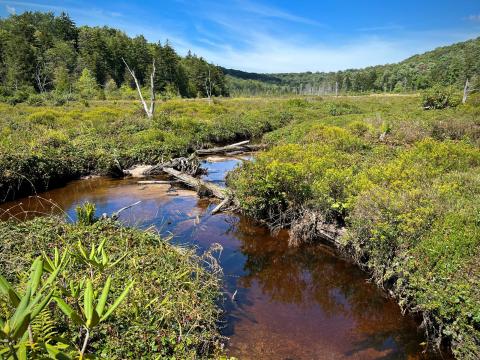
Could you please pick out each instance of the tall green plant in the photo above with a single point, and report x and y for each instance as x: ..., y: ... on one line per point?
x: 93, y: 311
x: 16, y: 333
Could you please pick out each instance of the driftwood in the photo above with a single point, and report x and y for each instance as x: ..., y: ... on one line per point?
x: 225, y: 202
x: 185, y: 169
x: 203, y: 187
x: 155, y: 182
x: 242, y: 146
x: 189, y: 166
x: 116, y: 214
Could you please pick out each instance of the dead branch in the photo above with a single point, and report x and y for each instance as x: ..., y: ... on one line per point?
x: 156, y: 182
x: 242, y: 146
x: 148, y: 111
x: 203, y: 187
x: 466, y: 90
x: 117, y: 213
x: 222, y: 205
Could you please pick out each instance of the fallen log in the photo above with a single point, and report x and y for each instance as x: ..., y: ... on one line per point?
x: 156, y: 182
x: 220, y: 206
x: 240, y: 147
x: 202, y: 187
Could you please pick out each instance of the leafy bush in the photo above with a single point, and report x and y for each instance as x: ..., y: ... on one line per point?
x: 36, y: 100
x: 440, y: 97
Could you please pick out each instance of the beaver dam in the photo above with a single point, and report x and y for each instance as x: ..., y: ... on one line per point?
x: 281, y: 303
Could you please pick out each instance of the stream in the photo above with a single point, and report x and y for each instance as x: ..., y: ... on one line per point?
x: 306, y: 303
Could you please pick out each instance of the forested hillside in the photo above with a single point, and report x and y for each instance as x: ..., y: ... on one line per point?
x: 41, y: 52
x: 449, y: 65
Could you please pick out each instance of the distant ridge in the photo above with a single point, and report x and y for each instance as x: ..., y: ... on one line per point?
x: 446, y: 65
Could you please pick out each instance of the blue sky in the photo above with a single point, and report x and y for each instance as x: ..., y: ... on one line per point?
x: 281, y: 36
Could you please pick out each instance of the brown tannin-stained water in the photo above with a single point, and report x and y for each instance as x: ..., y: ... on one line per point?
x: 305, y: 303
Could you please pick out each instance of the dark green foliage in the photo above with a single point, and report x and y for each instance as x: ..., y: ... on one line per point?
x: 41, y: 52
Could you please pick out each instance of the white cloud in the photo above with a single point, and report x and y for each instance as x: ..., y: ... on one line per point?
x: 11, y: 10
x: 261, y: 51
x: 272, y: 12
x: 278, y: 55
x: 475, y: 18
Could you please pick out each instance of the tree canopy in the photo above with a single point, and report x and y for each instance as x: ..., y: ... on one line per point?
x: 42, y: 52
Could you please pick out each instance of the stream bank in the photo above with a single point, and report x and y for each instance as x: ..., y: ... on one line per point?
x: 301, y: 303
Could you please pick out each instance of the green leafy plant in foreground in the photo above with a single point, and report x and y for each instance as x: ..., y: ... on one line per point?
x: 93, y: 310
x: 16, y: 331
x: 16, y: 334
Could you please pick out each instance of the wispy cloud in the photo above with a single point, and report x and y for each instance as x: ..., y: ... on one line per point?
x: 381, y: 28
x: 475, y: 18
x: 273, y: 12
x: 10, y: 9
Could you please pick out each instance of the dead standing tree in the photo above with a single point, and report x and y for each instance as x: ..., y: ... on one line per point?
x: 148, y: 110
x: 466, y: 90
x: 209, y: 85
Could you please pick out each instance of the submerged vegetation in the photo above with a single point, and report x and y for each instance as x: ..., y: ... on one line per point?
x: 105, y: 290
x: 402, y: 181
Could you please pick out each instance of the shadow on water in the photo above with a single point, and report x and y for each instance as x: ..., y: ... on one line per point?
x: 305, y: 303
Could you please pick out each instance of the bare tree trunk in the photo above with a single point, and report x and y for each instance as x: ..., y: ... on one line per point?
x: 336, y: 88
x: 465, y: 92
x: 42, y: 81
x: 148, y: 111
x: 208, y: 86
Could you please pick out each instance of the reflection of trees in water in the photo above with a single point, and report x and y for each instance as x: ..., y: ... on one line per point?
x: 315, y: 276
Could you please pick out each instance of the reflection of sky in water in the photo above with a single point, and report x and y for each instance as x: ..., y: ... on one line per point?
x: 218, y: 169
x: 290, y: 303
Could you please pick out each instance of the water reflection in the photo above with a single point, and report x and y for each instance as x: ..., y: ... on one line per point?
x: 303, y: 303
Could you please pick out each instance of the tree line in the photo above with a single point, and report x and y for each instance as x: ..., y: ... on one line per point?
x: 45, y: 53
x: 445, y: 66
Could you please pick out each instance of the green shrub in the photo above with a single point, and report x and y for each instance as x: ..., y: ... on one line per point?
x: 440, y: 97
x: 36, y: 100
x: 44, y: 117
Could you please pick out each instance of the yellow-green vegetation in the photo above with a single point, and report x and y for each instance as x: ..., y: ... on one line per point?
x: 43, y: 146
x: 403, y: 181
x: 97, y: 289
